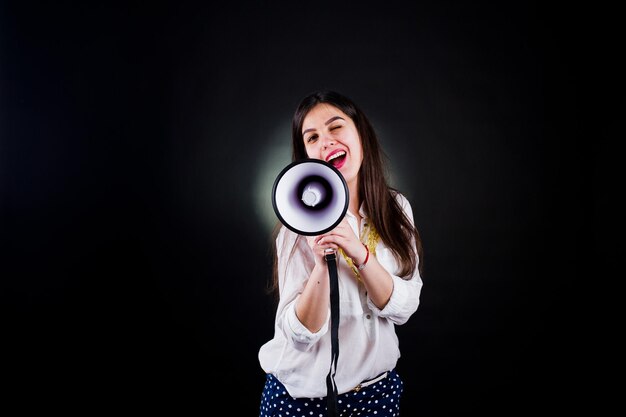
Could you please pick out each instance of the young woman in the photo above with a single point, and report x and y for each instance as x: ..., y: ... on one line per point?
x: 379, y: 254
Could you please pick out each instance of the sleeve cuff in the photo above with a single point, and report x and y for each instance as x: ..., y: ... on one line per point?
x: 300, y: 335
x: 402, y: 303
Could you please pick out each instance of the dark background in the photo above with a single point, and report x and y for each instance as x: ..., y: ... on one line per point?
x: 135, y: 137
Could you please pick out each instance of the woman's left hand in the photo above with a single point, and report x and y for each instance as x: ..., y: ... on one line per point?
x: 344, y: 237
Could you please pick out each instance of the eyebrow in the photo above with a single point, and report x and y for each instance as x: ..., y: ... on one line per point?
x: 329, y: 121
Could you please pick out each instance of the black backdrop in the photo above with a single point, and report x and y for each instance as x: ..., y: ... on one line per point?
x: 135, y: 140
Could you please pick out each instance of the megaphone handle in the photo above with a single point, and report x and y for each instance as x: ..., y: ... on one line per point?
x: 331, y: 387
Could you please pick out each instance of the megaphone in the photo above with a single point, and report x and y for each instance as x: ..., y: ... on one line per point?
x: 310, y: 197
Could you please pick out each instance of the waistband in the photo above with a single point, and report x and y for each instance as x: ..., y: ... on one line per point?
x: 370, y: 381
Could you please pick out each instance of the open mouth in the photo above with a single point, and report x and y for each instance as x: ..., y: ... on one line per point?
x: 337, y: 159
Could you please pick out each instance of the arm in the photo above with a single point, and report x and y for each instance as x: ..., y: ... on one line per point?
x: 389, y: 295
x: 405, y: 297
x: 377, y: 280
x: 303, y: 309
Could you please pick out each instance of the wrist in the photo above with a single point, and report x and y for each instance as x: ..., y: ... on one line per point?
x: 362, y: 265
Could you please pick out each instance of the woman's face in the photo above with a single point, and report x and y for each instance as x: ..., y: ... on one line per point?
x: 329, y: 134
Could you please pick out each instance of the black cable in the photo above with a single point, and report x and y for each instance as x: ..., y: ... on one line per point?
x: 331, y: 387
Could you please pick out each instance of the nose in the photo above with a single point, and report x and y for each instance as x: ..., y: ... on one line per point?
x: 328, y: 141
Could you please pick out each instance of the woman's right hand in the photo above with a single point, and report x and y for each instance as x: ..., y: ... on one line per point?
x: 319, y: 250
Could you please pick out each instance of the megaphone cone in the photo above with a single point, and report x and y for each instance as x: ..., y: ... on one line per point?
x: 310, y: 197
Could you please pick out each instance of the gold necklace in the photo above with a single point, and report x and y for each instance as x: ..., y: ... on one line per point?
x: 372, y: 242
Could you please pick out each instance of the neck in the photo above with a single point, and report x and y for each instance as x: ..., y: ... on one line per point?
x: 355, y: 204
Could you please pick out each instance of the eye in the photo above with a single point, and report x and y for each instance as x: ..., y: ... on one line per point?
x: 335, y: 127
x: 311, y: 139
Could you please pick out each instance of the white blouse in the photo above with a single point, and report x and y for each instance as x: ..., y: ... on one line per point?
x: 368, y: 344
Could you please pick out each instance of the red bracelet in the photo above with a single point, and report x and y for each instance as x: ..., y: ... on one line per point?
x: 367, y: 256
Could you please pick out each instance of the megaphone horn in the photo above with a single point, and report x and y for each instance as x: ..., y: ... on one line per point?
x: 310, y: 197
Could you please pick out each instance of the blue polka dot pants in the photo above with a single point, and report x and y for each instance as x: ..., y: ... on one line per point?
x: 381, y: 399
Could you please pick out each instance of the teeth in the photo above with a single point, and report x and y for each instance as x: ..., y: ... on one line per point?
x: 336, y: 155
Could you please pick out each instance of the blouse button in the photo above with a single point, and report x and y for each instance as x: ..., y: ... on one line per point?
x: 367, y: 316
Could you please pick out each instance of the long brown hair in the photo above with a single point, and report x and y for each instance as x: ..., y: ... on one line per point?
x: 378, y: 197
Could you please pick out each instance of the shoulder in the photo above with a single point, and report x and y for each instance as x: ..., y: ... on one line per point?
x: 401, y: 200
x: 285, y: 236
x: 403, y: 203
